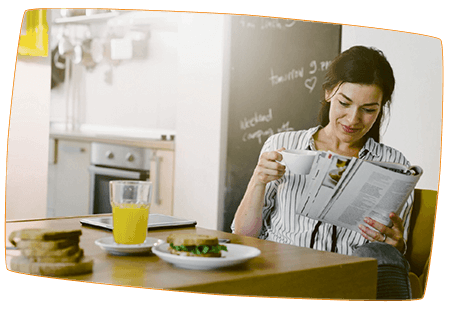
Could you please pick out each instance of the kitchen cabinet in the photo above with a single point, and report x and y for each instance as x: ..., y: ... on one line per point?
x: 162, y: 177
x: 68, y: 178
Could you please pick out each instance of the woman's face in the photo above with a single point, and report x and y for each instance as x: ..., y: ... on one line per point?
x: 353, y: 110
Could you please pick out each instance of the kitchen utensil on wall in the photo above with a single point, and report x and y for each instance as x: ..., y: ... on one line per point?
x: 96, y: 50
x: 65, y: 47
x: 93, y: 52
x: 72, y: 12
x: 77, y: 56
x: 67, y: 90
x: 75, y: 95
x: 57, y: 68
x: 90, y: 12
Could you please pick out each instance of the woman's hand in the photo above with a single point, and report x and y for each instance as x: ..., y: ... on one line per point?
x: 248, y: 217
x: 391, y: 235
x: 268, y: 169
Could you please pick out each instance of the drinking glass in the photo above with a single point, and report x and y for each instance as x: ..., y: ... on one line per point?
x: 130, y: 201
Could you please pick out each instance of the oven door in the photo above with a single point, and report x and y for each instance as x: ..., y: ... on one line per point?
x: 99, y: 185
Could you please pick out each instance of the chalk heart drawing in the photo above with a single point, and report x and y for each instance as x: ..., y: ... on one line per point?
x: 310, y: 83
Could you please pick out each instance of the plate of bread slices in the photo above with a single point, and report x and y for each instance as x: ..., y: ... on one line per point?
x: 196, y: 251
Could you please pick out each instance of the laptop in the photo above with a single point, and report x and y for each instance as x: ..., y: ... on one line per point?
x: 155, y: 221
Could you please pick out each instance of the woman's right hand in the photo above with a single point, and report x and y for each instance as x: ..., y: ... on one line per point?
x: 248, y: 217
x: 268, y: 169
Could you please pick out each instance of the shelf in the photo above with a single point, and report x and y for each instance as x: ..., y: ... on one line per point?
x: 86, y: 19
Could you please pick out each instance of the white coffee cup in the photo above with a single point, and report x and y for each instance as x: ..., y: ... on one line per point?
x: 298, y: 161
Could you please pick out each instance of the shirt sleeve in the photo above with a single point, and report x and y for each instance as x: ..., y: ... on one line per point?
x: 268, y: 146
x: 270, y: 193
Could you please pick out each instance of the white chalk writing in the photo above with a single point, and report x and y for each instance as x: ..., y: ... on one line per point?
x: 247, y: 123
x: 296, y: 73
x: 292, y: 75
x: 247, y: 24
x: 258, y: 135
x: 285, y: 127
x: 310, y: 83
x: 325, y: 65
x: 278, y: 24
x: 250, y: 122
x: 269, y: 23
x: 313, y: 67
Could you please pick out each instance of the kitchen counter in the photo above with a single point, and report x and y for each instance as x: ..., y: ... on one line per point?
x: 113, y: 139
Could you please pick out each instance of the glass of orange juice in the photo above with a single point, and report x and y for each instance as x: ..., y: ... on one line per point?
x: 130, y: 201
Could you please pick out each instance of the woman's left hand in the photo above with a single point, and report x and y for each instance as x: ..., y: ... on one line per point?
x: 391, y: 235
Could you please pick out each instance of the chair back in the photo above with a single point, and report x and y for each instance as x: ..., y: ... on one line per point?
x: 419, y: 243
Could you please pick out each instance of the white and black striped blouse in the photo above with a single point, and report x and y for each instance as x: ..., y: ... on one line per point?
x: 282, y: 224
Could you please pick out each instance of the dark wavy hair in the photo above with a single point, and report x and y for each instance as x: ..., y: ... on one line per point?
x: 360, y: 65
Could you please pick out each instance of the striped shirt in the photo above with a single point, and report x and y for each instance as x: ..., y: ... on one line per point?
x: 282, y: 224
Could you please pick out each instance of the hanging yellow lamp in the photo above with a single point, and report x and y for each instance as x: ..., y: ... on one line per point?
x: 35, y: 41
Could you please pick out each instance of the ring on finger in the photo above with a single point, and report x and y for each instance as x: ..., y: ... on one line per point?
x: 385, y: 237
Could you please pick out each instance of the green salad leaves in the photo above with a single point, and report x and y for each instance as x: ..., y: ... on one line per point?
x: 200, y: 249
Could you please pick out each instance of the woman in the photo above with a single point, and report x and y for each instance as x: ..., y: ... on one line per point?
x: 356, y: 95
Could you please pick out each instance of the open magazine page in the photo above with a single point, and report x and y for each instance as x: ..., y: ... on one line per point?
x: 331, y: 175
x: 312, y: 180
x: 347, y: 173
x: 372, y: 192
x: 399, y: 168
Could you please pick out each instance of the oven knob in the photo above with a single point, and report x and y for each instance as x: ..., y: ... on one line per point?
x: 130, y: 157
x: 109, y: 155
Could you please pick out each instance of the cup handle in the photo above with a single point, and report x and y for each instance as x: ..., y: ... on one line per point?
x: 282, y: 161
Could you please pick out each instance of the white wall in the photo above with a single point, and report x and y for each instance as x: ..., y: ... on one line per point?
x: 199, y: 112
x: 26, y: 185
x: 416, y: 113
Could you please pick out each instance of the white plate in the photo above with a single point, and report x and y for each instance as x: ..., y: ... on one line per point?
x: 108, y: 244
x: 236, y: 254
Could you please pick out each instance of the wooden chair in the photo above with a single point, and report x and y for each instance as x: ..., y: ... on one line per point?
x: 419, y: 242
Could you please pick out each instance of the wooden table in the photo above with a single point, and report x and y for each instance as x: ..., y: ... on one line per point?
x: 280, y: 271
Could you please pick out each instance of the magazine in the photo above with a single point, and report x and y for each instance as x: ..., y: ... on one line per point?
x: 344, y: 190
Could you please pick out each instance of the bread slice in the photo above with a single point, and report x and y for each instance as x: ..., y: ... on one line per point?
x: 48, y: 244
x: 38, y: 252
x: 24, y: 265
x: 42, y: 234
x: 191, y: 239
x: 74, y: 258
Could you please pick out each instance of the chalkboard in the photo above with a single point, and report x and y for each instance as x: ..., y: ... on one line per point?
x: 277, y: 67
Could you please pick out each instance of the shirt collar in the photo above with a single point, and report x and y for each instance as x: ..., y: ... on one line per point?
x: 311, y: 141
x: 371, y: 146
